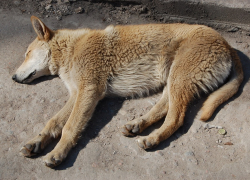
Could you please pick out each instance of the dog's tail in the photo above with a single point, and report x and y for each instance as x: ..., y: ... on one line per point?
x: 226, y: 91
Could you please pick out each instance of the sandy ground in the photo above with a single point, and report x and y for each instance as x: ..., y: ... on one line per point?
x: 193, y: 152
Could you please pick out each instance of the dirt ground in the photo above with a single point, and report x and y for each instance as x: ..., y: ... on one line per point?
x: 195, y: 151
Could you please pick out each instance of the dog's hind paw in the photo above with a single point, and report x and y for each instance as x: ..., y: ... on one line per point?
x: 132, y: 128
x: 53, y: 159
x: 147, y: 142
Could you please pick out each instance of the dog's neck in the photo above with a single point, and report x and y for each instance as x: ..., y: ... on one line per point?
x: 62, y: 46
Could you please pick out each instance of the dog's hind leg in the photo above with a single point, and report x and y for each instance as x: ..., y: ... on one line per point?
x: 159, y: 111
x: 52, y: 130
x: 180, y: 94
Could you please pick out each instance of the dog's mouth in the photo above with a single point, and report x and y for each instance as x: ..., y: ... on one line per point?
x: 29, y: 77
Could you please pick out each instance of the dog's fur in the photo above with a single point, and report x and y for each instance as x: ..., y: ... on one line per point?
x: 183, y: 60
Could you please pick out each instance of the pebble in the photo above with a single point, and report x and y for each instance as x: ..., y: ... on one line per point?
x: 151, y: 102
x: 219, y: 141
x: 48, y: 7
x: 233, y: 29
x: 122, y: 112
x: 208, y: 126
x: 59, y: 18
x: 143, y: 10
x: 172, y: 146
x: 17, y: 3
x: 159, y: 152
x: 52, y: 100
x: 78, y: 10
x: 218, y: 127
x: 189, y: 153
x: 177, y: 134
x: 220, y: 146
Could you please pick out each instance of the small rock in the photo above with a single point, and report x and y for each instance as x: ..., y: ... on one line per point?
x: 218, y: 141
x: 59, y: 18
x: 176, y: 163
x: 94, y: 165
x: 122, y: 112
x: 52, y: 100
x: 233, y: 29
x: 151, y: 102
x: 143, y: 10
x: 109, y: 20
x: 220, y: 146
x: 218, y: 127
x: 48, y: 7
x: 17, y: 3
x: 177, y: 134
x: 114, y: 152
x: 205, y: 126
x: 79, y: 10
x: 208, y: 126
x: 159, y: 152
x: 172, y: 146
x: 62, y: 1
x: 211, y: 126
x: 189, y: 153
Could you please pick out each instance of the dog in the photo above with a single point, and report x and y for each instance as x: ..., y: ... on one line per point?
x: 135, y: 60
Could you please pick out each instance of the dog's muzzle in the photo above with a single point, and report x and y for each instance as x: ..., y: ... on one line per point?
x: 14, y: 78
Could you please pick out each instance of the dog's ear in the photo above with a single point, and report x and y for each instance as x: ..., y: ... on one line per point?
x: 43, y: 32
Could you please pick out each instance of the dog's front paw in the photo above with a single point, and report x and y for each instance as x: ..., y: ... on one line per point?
x: 53, y: 159
x: 132, y: 128
x: 32, y: 147
x: 147, y: 142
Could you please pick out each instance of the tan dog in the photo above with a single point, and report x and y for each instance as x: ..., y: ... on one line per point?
x: 183, y: 60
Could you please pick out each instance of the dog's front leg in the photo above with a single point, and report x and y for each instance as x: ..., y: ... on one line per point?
x: 87, y: 99
x: 53, y: 129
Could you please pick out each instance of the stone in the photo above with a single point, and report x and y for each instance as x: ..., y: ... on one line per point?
x: 79, y: 10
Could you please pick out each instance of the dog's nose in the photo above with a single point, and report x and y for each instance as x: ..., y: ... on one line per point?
x: 14, y: 77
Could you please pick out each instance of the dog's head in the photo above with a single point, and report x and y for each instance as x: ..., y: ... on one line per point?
x: 37, y: 56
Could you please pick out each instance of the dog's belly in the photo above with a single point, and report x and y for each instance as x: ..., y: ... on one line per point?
x: 138, y: 78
